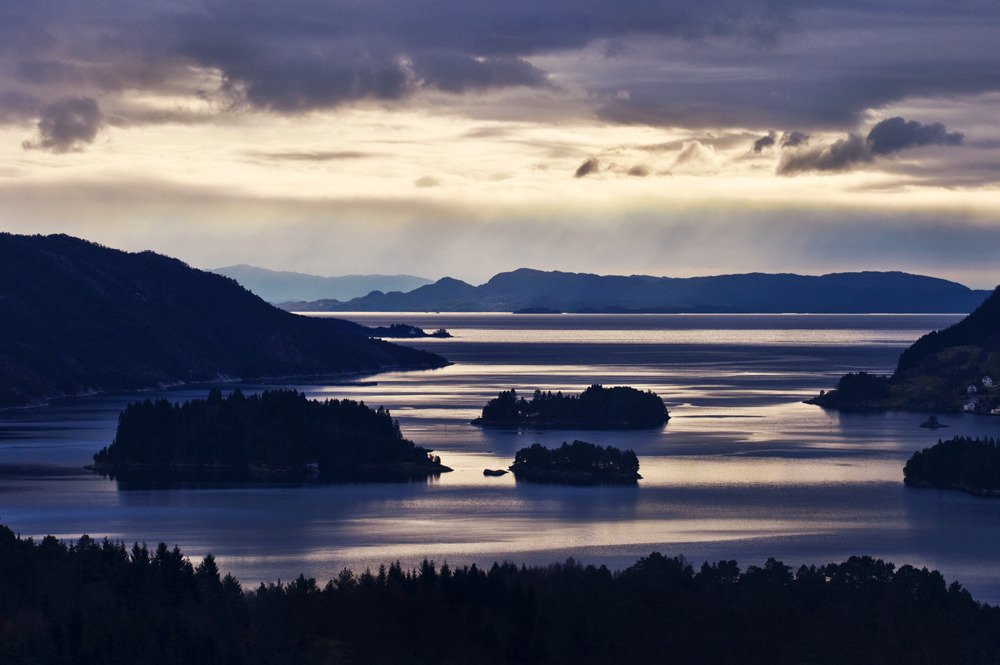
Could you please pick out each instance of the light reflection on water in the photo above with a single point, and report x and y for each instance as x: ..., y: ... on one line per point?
x: 743, y: 469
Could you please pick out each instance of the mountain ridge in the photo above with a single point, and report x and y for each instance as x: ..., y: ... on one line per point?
x: 283, y: 285
x: 844, y: 292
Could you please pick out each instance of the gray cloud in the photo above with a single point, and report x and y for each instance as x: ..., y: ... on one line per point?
x: 639, y: 171
x: 793, y: 139
x: 765, y: 141
x: 315, y: 55
x: 67, y: 125
x: 840, y: 155
x: 588, y: 167
x: 886, y: 138
x: 895, y: 134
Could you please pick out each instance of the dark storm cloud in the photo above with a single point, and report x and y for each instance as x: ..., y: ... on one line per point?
x: 793, y: 139
x: 588, y: 167
x: 763, y: 142
x: 840, y: 155
x: 811, y: 63
x: 886, y: 138
x: 67, y: 125
x: 895, y: 134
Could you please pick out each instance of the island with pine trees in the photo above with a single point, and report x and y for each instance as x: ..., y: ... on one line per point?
x: 597, y: 407
x: 962, y: 464
x: 577, y: 463
x: 279, y: 435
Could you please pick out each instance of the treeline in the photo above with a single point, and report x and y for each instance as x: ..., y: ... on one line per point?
x: 962, y: 463
x: 597, y: 407
x: 579, y: 461
x: 101, y: 602
x: 981, y: 328
x: 279, y: 429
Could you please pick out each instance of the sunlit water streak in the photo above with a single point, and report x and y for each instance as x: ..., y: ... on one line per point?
x: 743, y: 469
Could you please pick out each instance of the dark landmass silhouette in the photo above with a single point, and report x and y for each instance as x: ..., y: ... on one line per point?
x: 76, y: 317
x: 597, y: 407
x: 93, y: 601
x: 277, y: 435
x: 963, y: 464
x: 952, y: 370
x: 577, y: 463
x: 281, y: 286
x: 528, y: 290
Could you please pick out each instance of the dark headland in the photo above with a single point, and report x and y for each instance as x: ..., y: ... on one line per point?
x: 597, y: 407
x: 279, y: 435
x: 953, y: 370
x: 79, y: 317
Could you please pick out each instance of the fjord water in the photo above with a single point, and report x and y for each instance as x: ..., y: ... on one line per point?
x: 743, y: 470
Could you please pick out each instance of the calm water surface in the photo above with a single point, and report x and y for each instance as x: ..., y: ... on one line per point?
x: 743, y: 469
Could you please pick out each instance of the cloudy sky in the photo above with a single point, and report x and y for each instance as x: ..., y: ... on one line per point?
x: 466, y: 137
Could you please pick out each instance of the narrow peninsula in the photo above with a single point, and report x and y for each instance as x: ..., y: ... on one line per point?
x: 597, y: 407
x: 962, y: 464
x: 279, y: 435
x: 577, y: 463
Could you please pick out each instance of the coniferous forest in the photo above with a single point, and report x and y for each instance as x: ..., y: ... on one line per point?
x: 102, y: 602
x: 597, y: 407
x: 279, y: 433
x: 576, y: 463
x: 962, y: 463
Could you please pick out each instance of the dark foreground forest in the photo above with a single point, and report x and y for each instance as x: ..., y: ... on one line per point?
x: 101, y: 602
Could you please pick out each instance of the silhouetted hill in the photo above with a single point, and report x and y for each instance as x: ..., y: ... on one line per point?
x: 76, y: 317
x: 754, y: 292
x: 955, y: 369
x: 281, y: 286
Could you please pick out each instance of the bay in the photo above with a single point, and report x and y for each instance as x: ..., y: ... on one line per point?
x: 743, y: 470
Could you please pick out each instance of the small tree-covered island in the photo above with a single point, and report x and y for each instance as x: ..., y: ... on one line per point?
x: 577, y: 463
x: 597, y: 407
x: 963, y: 464
x: 278, y: 435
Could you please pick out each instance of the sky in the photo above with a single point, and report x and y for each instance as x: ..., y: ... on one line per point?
x: 468, y: 137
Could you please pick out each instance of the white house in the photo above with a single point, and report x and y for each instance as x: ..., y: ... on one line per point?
x: 987, y: 382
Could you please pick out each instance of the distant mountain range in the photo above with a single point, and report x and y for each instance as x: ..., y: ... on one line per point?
x: 274, y: 286
x: 955, y: 369
x: 535, y: 290
x: 78, y: 317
